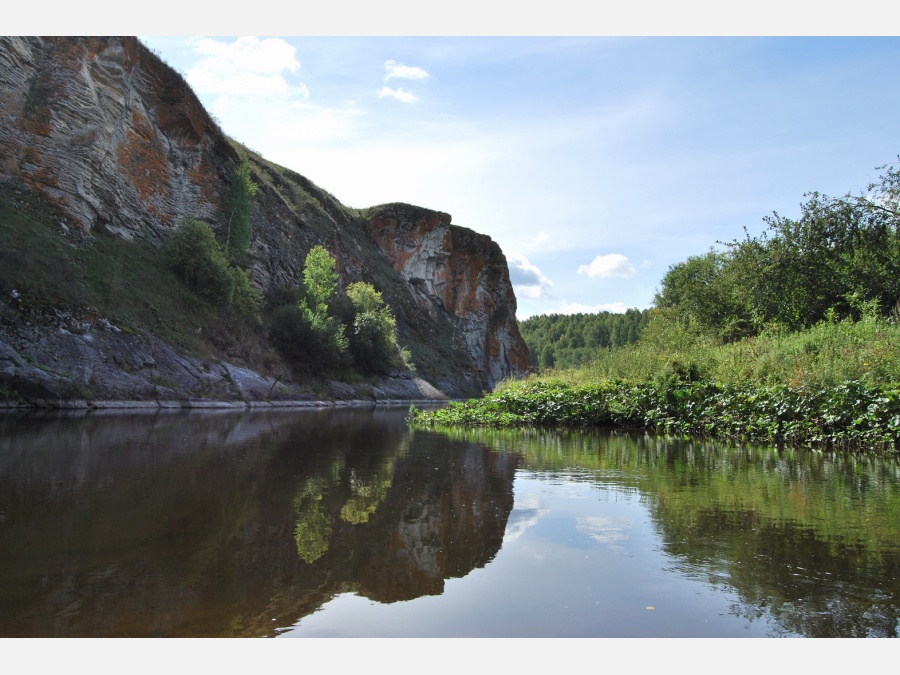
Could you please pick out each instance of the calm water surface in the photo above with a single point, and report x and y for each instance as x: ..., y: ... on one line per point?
x: 346, y: 523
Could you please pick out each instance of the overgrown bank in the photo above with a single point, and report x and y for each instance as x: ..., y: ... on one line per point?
x: 850, y: 415
x: 837, y: 383
x: 790, y: 337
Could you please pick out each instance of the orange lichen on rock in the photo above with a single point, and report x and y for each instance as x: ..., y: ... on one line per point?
x: 142, y: 160
x: 206, y: 179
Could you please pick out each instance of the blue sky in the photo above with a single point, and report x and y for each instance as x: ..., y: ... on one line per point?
x: 595, y: 163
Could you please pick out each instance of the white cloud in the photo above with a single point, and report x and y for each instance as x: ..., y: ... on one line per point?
x: 279, y: 127
x: 527, y: 280
x: 403, y: 72
x: 578, y: 308
x: 604, y: 530
x: 246, y: 67
x: 612, y: 265
x: 400, y: 94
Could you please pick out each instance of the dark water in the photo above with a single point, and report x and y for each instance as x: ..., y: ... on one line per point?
x: 346, y: 523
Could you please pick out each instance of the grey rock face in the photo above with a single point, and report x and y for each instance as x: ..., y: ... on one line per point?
x: 115, y: 141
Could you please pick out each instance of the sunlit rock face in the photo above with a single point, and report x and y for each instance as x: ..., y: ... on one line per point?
x: 113, y: 140
x: 458, y: 274
x: 106, y: 131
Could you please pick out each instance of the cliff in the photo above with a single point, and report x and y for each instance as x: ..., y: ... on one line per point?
x: 108, y: 149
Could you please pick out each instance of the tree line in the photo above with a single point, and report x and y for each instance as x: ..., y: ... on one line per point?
x: 571, y: 340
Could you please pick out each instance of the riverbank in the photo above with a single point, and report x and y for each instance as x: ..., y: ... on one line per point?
x: 67, y: 359
x: 849, y: 415
x: 214, y: 405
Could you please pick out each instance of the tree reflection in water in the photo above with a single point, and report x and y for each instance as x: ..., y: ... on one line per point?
x: 808, y: 538
x: 232, y: 524
x: 242, y: 524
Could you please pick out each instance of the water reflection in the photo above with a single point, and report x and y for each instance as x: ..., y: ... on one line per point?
x: 225, y: 524
x: 332, y: 522
x: 807, y: 540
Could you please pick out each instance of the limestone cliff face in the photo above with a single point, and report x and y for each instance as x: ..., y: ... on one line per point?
x: 103, y: 129
x: 457, y: 274
x: 114, y: 141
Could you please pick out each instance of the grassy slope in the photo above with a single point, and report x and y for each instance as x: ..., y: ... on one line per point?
x: 822, y: 356
x: 127, y: 282
x: 837, y: 383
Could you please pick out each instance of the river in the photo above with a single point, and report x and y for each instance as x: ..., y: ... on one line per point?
x: 345, y: 522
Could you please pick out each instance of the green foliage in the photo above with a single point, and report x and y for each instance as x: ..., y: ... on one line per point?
x: 822, y: 356
x: 840, y: 259
x: 310, y: 341
x: 237, y: 204
x: 198, y: 258
x: 203, y: 266
x: 373, y: 340
x: 309, y: 337
x: 702, y: 289
x: 850, y: 414
x: 320, y: 278
x: 570, y: 341
x: 324, y: 329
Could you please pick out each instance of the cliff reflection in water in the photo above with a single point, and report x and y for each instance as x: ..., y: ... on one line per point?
x: 232, y: 523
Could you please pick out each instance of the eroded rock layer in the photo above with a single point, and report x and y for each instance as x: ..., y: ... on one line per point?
x: 459, y: 275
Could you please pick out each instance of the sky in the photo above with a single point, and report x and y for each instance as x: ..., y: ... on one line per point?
x: 595, y: 163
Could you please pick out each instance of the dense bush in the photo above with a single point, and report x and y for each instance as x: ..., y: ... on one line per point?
x: 840, y: 259
x: 204, y: 267
x: 849, y: 414
x: 326, y: 330
x: 307, y: 340
x: 373, y: 340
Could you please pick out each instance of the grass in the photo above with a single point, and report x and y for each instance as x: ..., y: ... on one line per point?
x: 829, y: 353
x: 836, y: 384
x: 128, y: 282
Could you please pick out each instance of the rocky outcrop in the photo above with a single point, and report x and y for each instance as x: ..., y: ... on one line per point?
x: 458, y: 275
x: 114, y: 141
x: 66, y: 360
x: 102, y: 128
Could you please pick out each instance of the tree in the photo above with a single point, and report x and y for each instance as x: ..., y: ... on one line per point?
x: 304, y: 332
x: 201, y: 261
x: 701, y: 289
x: 373, y: 340
x: 548, y: 358
x: 320, y: 278
x: 237, y: 204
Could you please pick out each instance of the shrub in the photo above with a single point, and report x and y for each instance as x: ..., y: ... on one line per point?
x: 200, y: 260
x: 308, y: 340
x: 373, y: 341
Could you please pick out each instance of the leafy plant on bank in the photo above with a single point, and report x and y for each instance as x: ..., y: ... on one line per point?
x: 849, y: 414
